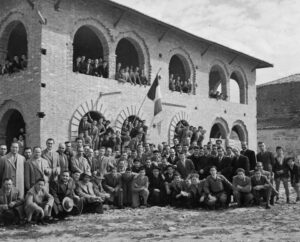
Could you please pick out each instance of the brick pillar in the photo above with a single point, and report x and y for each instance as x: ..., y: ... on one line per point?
x: 111, y: 58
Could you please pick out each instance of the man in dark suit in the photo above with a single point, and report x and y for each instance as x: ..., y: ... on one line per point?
x: 265, y: 157
x: 64, y: 187
x: 84, y: 125
x: 222, y: 163
x: 82, y: 65
x: 250, y: 154
x: 240, y: 161
x: 104, y: 69
x: 185, y: 167
x: 113, y: 185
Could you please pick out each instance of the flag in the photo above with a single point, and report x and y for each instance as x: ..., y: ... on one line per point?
x: 155, y: 95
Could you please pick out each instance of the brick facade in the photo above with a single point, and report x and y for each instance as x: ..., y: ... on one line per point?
x: 68, y: 96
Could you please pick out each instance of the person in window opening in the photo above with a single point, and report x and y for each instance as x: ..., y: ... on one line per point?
x: 104, y: 69
x: 184, y: 86
x: 144, y: 79
x: 178, y: 84
x: 82, y: 65
x: 137, y: 76
x: 96, y: 68
x: 132, y: 75
x: 16, y: 64
x: 77, y: 65
x: 23, y: 62
x: 189, y: 86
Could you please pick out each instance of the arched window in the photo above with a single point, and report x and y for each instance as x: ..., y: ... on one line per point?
x: 15, y: 44
x: 130, y: 62
x: 88, y: 52
x: 13, y: 126
x: 238, y: 133
x: 87, y: 120
x: 179, y: 75
x: 238, y: 92
x: 217, y: 83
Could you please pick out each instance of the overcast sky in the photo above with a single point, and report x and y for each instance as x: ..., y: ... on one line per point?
x: 266, y: 29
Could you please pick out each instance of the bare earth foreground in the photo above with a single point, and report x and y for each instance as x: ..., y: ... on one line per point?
x: 281, y: 223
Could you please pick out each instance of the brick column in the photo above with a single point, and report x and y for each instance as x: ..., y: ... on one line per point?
x: 111, y: 59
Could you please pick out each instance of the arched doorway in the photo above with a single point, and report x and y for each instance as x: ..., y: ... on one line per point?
x: 127, y: 54
x: 12, y: 126
x: 133, y: 124
x: 89, y: 117
x: 17, y: 42
x: 181, y: 129
x: 179, y: 74
x: 88, y: 43
x: 217, y: 83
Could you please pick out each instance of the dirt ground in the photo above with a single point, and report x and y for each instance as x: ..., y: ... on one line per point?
x: 281, y: 223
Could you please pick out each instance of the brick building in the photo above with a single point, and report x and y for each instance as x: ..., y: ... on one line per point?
x: 278, y: 113
x: 48, y: 99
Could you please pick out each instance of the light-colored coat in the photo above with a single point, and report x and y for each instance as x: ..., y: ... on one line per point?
x: 16, y: 173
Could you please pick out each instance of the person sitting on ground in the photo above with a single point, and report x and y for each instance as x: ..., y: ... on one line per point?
x: 85, y: 190
x: 179, y: 192
x: 196, y: 191
x: 140, y: 189
x: 261, y: 188
x: 38, y: 203
x: 11, y: 203
x: 242, y: 188
x: 63, y: 192
x: 215, y: 189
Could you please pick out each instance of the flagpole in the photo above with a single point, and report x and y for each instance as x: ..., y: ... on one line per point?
x: 144, y: 100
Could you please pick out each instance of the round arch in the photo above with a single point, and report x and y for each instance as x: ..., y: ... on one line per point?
x: 141, y: 48
x: 184, y: 61
x: 217, y: 79
x: 239, y: 78
x: 99, y: 29
x: 239, y: 131
x: 176, y: 119
x: 219, y: 129
x: 92, y: 107
x: 7, y: 26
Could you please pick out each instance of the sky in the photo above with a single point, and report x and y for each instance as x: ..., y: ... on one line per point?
x: 266, y: 29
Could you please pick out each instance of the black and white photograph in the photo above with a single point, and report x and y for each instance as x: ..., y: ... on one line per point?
x: 149, y: 120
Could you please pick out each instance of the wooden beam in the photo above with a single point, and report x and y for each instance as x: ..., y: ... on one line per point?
x: 119, y: 19
x: 30, y: 3
x: 255, y: 67
x: 205, y: 50
x: 173, y: 105
x: 56, y: 5
x: 163, y: 35
x: 233, y: 59
x: 101, y: 94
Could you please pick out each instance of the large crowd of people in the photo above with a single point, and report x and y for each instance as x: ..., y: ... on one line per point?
x: 16, y: 64
x: 44, y: 185
x: 133, y: 75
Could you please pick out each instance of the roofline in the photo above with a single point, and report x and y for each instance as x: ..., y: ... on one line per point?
x: 261, y: 63
x: 274, y: 81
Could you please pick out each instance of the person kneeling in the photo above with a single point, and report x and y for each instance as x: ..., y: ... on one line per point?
x: 242, y: 188
x: 38, y: 203
x: 196, y: 191
x: 140, y: 189
x: 180, y: 197
x: 113, y: 185
x: 261, y: 188
x: 64, y: 195
x: 85, y: 190
x: 156, y: 188
x: 11, y: 203
x: 214, y: 188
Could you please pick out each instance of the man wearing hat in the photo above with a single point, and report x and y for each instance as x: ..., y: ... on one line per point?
x: 156, y: 187
x: 63, y: 192
x: 85, y: 190
x: 112, y: 184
